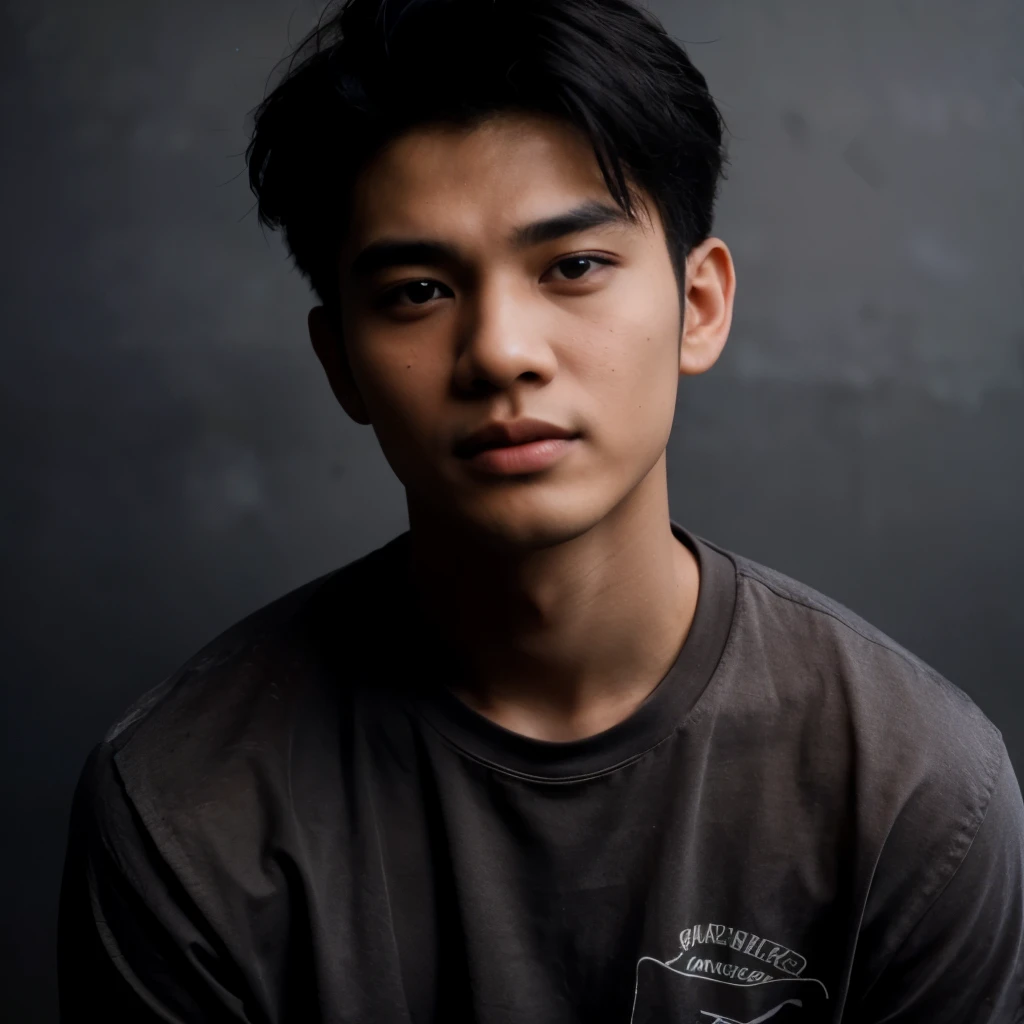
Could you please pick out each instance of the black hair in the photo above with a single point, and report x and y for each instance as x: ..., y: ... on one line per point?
x: 374, y: 69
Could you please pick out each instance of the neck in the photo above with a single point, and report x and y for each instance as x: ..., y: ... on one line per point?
x: 561, y: 642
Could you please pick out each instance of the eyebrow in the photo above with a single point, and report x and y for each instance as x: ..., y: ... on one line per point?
x: 398, y: 252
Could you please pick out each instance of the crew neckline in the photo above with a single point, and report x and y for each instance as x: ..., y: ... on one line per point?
x: 666, y: 708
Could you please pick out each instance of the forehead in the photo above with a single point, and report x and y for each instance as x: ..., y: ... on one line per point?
x: 462, y: 184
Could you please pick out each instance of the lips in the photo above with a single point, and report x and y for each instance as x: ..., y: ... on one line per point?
x: 513, y: 432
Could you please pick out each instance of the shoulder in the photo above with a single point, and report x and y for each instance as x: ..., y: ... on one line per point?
x: 817, y: 648
x: 896, y: 751
x: 230, y: 721
x: 233, y: 754
x: 911, y: 748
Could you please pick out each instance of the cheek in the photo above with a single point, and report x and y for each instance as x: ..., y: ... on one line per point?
x: 403, y: 400
x: 641, y: 339
x: 635, y: 384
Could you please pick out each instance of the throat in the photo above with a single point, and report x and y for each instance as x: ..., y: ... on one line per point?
x: 575, y: 649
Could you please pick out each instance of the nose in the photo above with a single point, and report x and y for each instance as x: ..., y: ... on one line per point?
x: 503, y: 338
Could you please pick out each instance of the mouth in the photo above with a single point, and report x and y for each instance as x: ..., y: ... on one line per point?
x: 516, y: 459
x: 512, y: 434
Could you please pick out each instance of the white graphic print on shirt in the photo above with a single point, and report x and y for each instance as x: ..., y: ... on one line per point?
x: 744, y: 976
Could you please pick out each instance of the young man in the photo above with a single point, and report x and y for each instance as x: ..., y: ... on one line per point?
x: 547, y: 756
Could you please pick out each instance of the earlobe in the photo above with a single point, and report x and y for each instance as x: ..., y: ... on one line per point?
x: 710, y: 291
x: 330, y: 350
x: 700, y: 351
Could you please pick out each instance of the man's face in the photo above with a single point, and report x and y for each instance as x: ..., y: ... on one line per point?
x: 580, y: 330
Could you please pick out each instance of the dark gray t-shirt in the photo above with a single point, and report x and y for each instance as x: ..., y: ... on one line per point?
x: 803, y: 823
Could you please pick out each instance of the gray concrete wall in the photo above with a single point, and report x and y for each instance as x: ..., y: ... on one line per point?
x: 173, y: 459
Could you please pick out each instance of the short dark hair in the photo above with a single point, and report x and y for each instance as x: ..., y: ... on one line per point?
x: 374, y: 69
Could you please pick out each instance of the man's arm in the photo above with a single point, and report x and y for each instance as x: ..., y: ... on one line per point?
x: 963, y: 962
x: 132, y: 945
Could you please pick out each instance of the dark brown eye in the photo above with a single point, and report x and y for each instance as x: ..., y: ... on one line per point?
x: 418, y: 292
x: 575, y: 267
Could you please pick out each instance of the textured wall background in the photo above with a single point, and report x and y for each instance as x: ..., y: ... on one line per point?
x: 173, y: 459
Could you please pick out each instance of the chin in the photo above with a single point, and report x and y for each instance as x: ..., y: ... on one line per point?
x: 529, y: 520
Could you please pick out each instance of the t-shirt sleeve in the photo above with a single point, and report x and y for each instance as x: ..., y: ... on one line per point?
x: 963, y: 961
x: 132, y: 943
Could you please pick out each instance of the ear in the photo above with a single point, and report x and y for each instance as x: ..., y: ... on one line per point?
x: 330, y: 350
x: 710, y: 290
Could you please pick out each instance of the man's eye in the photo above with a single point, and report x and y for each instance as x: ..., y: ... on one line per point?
x: 575, y: 267
x: 418, y: 292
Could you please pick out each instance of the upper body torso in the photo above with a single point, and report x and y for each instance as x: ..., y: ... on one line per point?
x: 802, y: 823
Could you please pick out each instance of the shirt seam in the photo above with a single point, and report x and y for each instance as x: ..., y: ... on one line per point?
x: 933, y: 902
x: 561, y: 779
x: 892, y: 647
